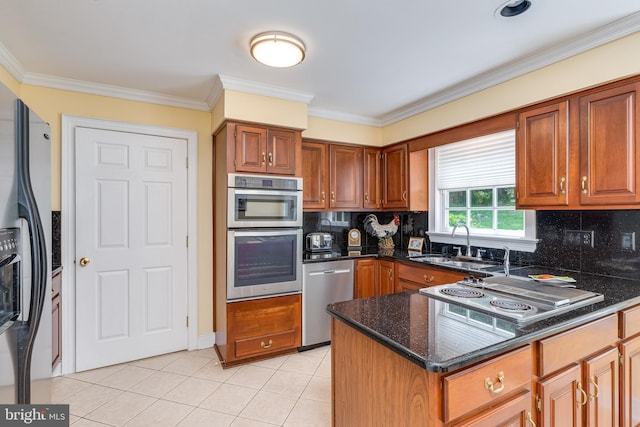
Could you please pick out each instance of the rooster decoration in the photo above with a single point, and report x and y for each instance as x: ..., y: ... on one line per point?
x: 384, y: 232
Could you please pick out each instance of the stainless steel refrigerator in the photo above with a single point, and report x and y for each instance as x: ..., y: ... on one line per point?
x: 25, y: 254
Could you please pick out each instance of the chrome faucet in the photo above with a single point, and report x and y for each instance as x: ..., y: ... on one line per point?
x: 468, y: 241
x: 506, y: 261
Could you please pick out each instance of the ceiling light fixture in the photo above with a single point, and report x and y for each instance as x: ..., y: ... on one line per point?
x: 277, y: 49
x: 513, y: 8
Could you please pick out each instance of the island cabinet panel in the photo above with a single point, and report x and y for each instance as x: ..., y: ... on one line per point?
x: 412, y: 277
x: 630, y: 383
x: 559, y: 351
x: 315, y: 178
x: 542, y: 150
x: 609, y: 146
x: 374, y: 387
x: 491, y: 381
x: 514, y: 413
x: 558, y: 398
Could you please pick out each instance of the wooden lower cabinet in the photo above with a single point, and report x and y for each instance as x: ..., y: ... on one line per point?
x: 373, y: 277
x: 630, y: 382
x: 513, y: 413
x: 557, y: 398
x: 262, y: 327
x: 412, y: 277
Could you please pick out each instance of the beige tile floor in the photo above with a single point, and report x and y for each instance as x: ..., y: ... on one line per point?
x: 190, y: 388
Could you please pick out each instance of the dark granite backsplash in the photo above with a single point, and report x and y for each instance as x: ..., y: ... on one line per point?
x: 55, y: 240
x: 555, y: 248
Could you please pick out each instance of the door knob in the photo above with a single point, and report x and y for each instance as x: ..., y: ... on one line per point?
x: 84, y: 261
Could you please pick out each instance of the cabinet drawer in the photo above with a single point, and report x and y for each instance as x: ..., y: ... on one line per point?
x: 265, y: 344
x: 479, y: 385
x: 561, y: 350
x: 630, y: 322
x: 427, y: 276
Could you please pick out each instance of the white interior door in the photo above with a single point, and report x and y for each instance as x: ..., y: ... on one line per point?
x: 131, y: 249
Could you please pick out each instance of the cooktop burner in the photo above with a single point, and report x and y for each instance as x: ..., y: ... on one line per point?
x: 462, y: 293
x: 506, y: 304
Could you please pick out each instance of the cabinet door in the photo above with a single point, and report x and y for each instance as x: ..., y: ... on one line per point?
x: 314, y: 175
x: 395, y: 177
x: 281, y: 152
x: 542, y: 156
x: 514, y: 413
x: 601, y: 383
x: 385, y: 276
x: 419, y: 180
x: 609, y: 154
x: 345, y: 176
x: 630, y: 383
x: 251, y: 149
x: 562, y: 398
x: 372, y: 179
x: 366, y: 278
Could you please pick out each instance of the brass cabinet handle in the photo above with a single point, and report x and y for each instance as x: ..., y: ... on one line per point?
x: 584, y: 395
x: 488, y: 384
x: 366, y: 197
x: 597, y: 393
x: 530, y: 419
x: 404, y: 195
x: 270, y: 159
x: 562, y: 180
x: 333, y: 196
x: 264, y: 157
x: 263, y: 345
x: 428, y: 279
x: 582, y: 184
x: 323, y: 196
x: 390, y: 274
x: 84, y: 261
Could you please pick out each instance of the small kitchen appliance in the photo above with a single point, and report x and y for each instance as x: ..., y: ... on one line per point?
x: 319, y: 242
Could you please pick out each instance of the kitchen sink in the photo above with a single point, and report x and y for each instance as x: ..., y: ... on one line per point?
x: 453, y: 262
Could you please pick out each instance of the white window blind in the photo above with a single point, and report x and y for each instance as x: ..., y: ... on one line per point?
x: 478, y: 162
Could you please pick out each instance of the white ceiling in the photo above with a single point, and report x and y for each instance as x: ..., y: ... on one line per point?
x: 368, y: 61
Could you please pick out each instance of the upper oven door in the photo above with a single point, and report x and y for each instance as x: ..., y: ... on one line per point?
x: 250, y: 208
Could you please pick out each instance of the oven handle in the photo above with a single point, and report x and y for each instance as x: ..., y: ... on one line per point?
x: 256, y: 191
x: 9, y: 259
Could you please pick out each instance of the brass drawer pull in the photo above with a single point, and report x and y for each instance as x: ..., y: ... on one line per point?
x: 597, y: 393
x: 584, y: 395
x: 429, y: 279
x: 488, y: 384
x: 530, y: 419
x: 263, y: 345
x: 562, y: 180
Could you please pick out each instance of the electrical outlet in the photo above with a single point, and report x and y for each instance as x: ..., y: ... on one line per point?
x: 628, y: 241
x: 579, y: 238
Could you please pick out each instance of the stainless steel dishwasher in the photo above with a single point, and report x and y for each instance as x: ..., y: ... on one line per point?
x: 323, y: 283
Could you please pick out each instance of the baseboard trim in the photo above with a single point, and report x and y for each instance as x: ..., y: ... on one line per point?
x: 206, y: 340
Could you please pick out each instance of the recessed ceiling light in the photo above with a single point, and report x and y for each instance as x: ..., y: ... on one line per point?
x: 277, y: 49
x: 513, y: 8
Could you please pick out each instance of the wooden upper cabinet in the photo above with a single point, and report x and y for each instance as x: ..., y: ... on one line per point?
x: 264, y: 150
x: 419, y: 182
x: 372, y: 178
x: 345, y: 176
x: 315, y: 174
x: 609, y: 147
x: 542, y: 145
x: 395, y: 178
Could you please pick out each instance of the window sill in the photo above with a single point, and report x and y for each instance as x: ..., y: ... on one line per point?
x: 495, y: 242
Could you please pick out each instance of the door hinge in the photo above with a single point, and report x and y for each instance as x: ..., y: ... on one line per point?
x: 538, y: 403
x: 187, y: 321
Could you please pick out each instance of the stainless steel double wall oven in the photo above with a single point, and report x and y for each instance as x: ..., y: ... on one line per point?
x: 264, y: 236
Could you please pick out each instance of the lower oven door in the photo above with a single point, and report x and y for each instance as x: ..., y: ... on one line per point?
x: 263, y: 262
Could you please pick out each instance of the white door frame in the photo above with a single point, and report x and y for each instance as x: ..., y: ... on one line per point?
x: 68, y: 233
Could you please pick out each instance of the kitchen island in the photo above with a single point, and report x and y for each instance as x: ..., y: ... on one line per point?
x: 405, y: 359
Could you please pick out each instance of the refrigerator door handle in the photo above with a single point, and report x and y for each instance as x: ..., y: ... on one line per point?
x: 28, y: 210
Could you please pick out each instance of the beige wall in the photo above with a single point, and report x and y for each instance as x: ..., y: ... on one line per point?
x: 612, y: 61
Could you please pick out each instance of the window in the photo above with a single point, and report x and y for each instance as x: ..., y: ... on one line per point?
x: 473, y: 183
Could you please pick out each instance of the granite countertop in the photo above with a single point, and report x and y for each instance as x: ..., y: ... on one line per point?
x: 414, y: 326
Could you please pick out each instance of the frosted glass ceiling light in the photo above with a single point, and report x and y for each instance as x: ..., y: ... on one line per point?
x: 277, y: 49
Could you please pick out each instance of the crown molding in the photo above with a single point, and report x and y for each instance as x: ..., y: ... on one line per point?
x: 344, y: 117
x: 11, y: 64
x: 72, y: 85
x: 605, y: 34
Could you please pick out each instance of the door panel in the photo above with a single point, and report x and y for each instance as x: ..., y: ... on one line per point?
x: 131, y: 228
